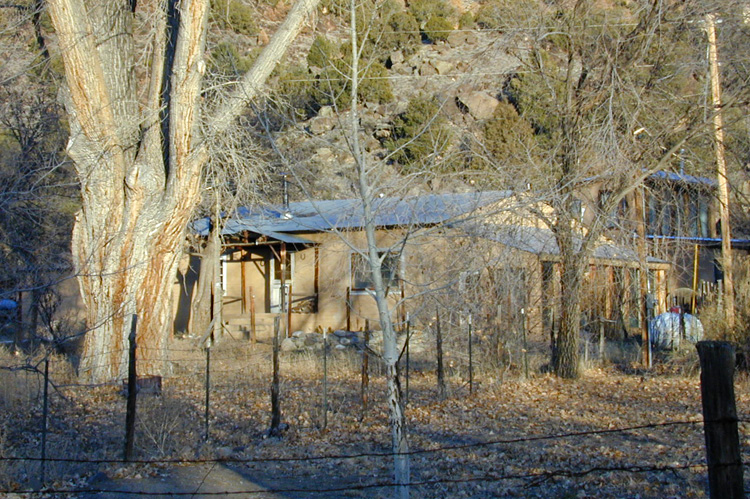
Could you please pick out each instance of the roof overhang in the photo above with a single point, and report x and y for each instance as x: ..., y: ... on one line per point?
x: 267, y: 238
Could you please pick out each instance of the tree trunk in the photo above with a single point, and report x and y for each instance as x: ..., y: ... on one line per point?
x: 567, y: 339
x: 202, y: 302
x: 139, y: 156
x: 400, y: 446
x: 439, y: 351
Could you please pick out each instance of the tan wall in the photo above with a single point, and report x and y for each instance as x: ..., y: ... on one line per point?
x: 334, y: 277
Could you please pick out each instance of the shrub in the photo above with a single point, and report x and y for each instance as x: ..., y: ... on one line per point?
x: 322, y: 52
x: 491, y: 15
x: 506, y: 134
x: 419, y: 134
x: 466, y: 21
x: 225, y: 60
x: 424, y: 10
x: 402, y: 33
x: 293, y: 85
x: 234, y: 15
x: 437, y: 29
x: 333, y: 86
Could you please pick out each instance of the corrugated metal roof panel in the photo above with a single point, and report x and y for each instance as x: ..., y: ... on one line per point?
x: 682, y: 177
x: 343, y: 214
x: 540, y: 241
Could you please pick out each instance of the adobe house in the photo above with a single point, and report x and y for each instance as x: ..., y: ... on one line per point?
x: 681, y: 216
x: 525, y: 272
x: 308, y: 254
x: 463, y: 249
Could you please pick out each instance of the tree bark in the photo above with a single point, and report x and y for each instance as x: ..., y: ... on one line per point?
x: 442, y: 392
x: 566, y: 359
x: 399, y: 444
x: 202, y: 302
x: 139, y: 157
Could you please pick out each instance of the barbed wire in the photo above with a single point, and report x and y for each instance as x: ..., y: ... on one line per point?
x: 537, y: 478
x: 332, y: 457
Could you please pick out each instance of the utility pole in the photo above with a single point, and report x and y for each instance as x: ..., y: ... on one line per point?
x: 721, y: 173
x: 640, y: 216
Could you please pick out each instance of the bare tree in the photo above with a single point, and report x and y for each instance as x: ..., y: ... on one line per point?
x: 37, y: 189
x: 608, y: 105
x: 134, y: 74
x: 399, y: 442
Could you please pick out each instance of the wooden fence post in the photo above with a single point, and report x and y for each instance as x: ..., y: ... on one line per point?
x: 325, y: 379
x: 348, y: 309
x: 408, y: 336
x: 208, y: 390
x: 275, y: 409
x: 471, y: 360
x: 132, y: 391
x: 365, y: 369
x: 439, y: 347
x: 45, y: 415
x: 720, y: 420
x: 253, y: 334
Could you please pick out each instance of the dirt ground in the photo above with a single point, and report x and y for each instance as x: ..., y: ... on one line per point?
x: 616, y: 432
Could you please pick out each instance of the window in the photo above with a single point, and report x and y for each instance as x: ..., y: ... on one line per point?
x: 287, y: 270
x: 362, y: 276
x: 612, y: 215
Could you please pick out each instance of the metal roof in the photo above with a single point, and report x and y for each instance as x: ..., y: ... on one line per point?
x: 710, y: 242
x: 343, y: 214
x: 682, y: 177
x: 540, y: 241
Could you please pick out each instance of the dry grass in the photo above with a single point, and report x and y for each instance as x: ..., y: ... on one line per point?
x: 87, y: 422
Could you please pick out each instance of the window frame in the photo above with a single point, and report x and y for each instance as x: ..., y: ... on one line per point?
x: 358, y: 264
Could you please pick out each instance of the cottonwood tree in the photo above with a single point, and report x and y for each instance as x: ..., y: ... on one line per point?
x: 139, y: 139
x: 608, y: 102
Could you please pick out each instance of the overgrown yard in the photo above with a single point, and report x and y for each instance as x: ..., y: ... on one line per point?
x: 617, y: 432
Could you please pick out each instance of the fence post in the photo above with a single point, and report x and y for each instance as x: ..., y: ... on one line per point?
x: 253, y: 336
x: 348, y: 309
x: 524, y: 326
x: 132, y: 390
x: 208, y: 390
x: 408, y: 337
x: 45, y: 414
x: 275, y: 409
x: 439, y: 347
x: 720, y: 420
x: 365, y: 369
x: 325, y: 378
x: 471, y: 360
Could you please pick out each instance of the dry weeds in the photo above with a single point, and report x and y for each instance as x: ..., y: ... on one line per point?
x: 496, y: 437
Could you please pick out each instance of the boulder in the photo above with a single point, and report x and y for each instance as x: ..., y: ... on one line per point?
x: 427, y: 69
x: 396, y: 57
x: 479, y: 104
x: 288, y: 345
x: 321, y: 125
x: 442, y: 67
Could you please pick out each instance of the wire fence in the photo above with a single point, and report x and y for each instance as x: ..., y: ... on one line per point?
x: 84, y: 432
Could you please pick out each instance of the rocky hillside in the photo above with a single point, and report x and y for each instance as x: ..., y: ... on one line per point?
x: 461, y: 72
